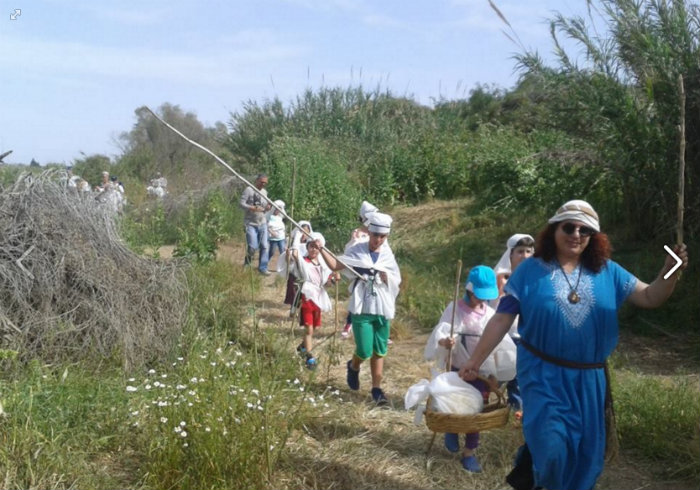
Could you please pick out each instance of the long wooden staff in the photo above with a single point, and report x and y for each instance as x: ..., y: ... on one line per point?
x: 240, y: 177
x: 454, y: 313
x: 334, y: 334
x: 291, y: 210
x: 681, y: 166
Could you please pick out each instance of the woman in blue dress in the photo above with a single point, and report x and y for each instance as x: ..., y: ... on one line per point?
x: 567, y: 297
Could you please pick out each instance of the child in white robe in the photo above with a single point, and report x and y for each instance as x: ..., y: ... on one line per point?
x: 471, y: 317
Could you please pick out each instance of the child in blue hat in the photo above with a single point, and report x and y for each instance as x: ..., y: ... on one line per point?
x: 473, y: 312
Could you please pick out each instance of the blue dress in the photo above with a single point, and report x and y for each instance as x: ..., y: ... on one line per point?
x: 563, y: 415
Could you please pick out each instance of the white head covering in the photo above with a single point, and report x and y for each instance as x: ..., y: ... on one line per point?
x: 379, y: 223
x: 503, y: 265
x: 367, y: 208
x: 280, y: 203
x: 577, y: 210
x: 297, y: 234
x: 307, y: 223
x: 317, y: 236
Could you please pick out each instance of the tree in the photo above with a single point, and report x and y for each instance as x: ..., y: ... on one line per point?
x: 151, y: 147
x: 90, y: 167
x: 625, y: 100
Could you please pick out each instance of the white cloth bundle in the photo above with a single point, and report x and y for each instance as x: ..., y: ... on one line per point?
x: 450, y: 394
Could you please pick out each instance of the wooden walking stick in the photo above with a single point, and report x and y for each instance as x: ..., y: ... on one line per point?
x: 458, y: 285
x: 335, y: 327
x: 332, y: 357
x: 681, y: 165
x: 448, y: 363
x: 291, y: 209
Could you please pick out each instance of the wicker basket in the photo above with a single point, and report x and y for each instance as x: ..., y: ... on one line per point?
x: 494, y: 415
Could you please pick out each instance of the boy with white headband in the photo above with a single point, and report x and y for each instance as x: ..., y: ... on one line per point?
x: 314, y: 273
x: 372, y: 300
x: 360, y: 234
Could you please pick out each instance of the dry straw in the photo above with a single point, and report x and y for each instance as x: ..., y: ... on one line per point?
x: 70, y: 287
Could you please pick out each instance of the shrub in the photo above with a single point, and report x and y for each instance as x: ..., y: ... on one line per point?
x: 207, y: 224
x: 323, y: 193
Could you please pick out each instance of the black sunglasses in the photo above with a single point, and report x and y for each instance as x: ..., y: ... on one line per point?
x: 570, y: 228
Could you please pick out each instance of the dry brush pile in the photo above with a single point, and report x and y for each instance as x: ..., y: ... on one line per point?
x: 69, y: 286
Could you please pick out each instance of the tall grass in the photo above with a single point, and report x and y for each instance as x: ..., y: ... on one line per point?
x: 216, y: 417
x: 659, y: 421
x: 217, y: 414
x: 64, y: 427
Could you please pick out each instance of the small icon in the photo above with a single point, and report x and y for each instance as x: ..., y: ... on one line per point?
x: 679, y: 262
x: 15, y: 14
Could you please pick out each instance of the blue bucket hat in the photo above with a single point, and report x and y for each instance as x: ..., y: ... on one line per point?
x: 482, y: 282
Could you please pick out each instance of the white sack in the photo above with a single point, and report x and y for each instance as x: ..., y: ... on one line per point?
x: 450, y: 394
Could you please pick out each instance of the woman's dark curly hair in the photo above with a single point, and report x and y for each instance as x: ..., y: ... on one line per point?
x: 593, y: 257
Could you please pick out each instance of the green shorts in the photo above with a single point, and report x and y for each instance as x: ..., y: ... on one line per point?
x: 371, y: 333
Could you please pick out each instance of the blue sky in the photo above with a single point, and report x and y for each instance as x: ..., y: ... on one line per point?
x: 73, y: 72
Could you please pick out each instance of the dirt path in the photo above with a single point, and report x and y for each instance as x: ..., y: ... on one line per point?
x: 360, y: 446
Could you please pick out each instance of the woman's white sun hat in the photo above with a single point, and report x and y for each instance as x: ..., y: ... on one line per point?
x: 577, y: 210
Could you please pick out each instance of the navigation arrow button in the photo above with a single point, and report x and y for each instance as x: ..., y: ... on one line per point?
x: 678, y: 260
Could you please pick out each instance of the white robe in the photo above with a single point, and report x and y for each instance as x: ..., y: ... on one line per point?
x: 500, y: 363
x: 382, y: 294
x: 312, y: 291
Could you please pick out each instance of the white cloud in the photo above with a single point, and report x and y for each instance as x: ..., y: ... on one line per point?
x: 61, y: 61
x: 129, y: 12
x: 479, y: 4
x: 328, y: 5
x: 135, y: 16
x: 378, y: 20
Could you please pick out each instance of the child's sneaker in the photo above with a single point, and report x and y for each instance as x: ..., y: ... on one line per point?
x: 353, y: 377
x: 379, y: 398
x: 301, y: 350
x: 311, y: 363
x: 470, y: 463
x: 346, y: 331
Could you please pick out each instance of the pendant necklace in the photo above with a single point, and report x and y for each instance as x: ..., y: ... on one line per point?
x: 573, y: 296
